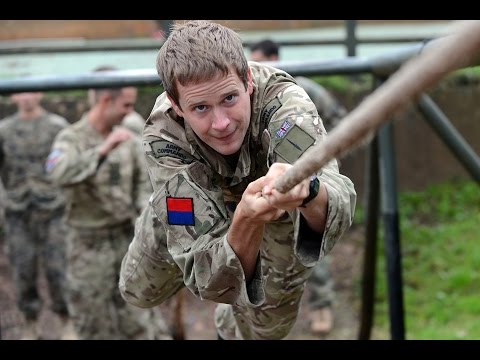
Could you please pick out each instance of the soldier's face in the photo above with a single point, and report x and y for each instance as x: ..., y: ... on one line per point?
x: 27, y: 101
x: 122, y: 105
x: 218, y: 110
x: 259, y: 56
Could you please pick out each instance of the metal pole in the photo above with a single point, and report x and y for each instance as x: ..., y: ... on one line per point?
x: 351, y: 40
x: 91, y: 80
x: 450, y: 136
x: 370, y: 254
x: 392, y: 232
x: 15, y: 47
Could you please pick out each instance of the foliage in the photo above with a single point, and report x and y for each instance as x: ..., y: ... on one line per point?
x: 467, y: 76
x: 343, y: 84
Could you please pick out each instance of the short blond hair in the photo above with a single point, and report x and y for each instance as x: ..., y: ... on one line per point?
x: 198, y: 50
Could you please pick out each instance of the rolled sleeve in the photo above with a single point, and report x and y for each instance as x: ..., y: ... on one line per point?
x: 311, y: 247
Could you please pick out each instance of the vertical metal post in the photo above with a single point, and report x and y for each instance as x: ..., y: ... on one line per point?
x: 351, y: 40
x: 371, y: 231
x: 392, y: 231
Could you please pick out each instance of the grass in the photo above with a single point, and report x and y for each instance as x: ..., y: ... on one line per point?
x: 439, y: 235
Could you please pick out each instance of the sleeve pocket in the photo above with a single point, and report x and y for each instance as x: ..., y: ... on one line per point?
x: 185, y: 211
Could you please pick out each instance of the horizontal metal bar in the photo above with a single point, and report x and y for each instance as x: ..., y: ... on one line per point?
x: 77, y: 45
x: 119, y: 78
x: 146, y: 77
x: 84, y: 45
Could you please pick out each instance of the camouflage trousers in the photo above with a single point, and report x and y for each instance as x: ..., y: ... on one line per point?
x: 36, y: 238
x: 95, y: 304
x: 321, y: 286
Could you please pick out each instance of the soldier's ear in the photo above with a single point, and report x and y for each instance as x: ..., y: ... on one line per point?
x: 249, y: 82
x: 105, y: 97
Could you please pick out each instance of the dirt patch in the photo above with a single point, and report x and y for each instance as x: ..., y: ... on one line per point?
x: 198, y: 323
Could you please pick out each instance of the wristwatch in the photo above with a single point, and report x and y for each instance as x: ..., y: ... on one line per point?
x: 314, y: 188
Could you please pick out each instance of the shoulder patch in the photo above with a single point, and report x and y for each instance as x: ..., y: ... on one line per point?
x: 294, y: 144
x: 52, y: 159
x: 180, y: 211
x: 283, y: 129
x: 165, y: 148
x: 270, y: 109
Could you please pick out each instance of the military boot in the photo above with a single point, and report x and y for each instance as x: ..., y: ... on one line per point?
x: 67, y: 329
x: 322, y: 321
x: 30, y: 330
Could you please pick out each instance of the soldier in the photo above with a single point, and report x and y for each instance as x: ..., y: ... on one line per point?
x: 216, y: 140
x: 101, y: 166
x: 35, y: 228
x: 133, y: 120
x: 320, y: 284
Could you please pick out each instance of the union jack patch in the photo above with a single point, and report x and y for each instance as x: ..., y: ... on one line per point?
x: 283, y: 129
x: 52, y: 159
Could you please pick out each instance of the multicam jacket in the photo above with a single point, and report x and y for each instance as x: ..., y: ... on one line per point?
x: 24, y: 148
x: 329, y: 109
x: 195, y: 192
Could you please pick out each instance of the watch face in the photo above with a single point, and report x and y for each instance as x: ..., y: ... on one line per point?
x: 314, y: 186
x: 313, y: 190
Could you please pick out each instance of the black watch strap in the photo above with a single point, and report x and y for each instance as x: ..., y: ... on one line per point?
x: 314, y: 188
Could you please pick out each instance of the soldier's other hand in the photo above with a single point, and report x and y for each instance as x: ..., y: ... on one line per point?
x: 255, y: 206
x: 116, y: 137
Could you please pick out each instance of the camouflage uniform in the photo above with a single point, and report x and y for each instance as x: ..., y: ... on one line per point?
x: 3, y: 198
x: 105, y: 195
x: 134, y: 122
x: 181, y: 239
x: 321, y: 284
x: 35, y: 228
x: 329, y: 109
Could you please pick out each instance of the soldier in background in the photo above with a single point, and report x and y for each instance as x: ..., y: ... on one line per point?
x: 133, y: 120
x: 162, y: 28
x: 101, y: 167
x: 35, y: 228
x: 320, y: 284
